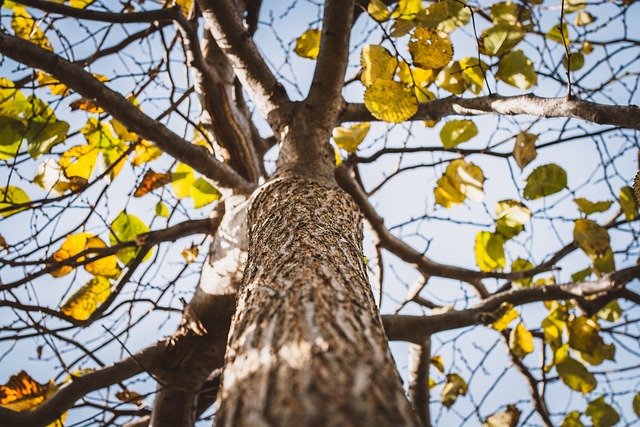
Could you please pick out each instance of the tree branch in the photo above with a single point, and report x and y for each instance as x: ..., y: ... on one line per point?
x: 124, y: 111
x: 417, y: 328
x: 622, y: 116
x: 224, y: 22
x: 167, y: 14
x: 328, y: 79
x: 419, y: 361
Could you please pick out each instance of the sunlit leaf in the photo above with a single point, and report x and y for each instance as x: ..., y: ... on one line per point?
x: 574, y: 5
x: 79, y: 161
x: 586, y: 48
x: 604, y: 263
x: 183, y: 179
x: 145, y: 152
x: 576, y: 61
x: 408, y: 9
x: 591, y: 237
x: 452, y: 79
x: 544, y: 181
x: 433, y: 15
x: 152, y: 181
x: 436, y: 362
x: 508, y: 417
x: 190, y: 254
x: 628, y: 203
x: 129, y: 397
x: 349, y: 138
x: 390, y: 101
x: 553, y: 326
x: 503, y: 322
x: 377, y: 63
x: 203, y: 193
x: 511, y: 14
x: 161, y: 210
x: 401, y: 27
x: 460, y: 180
x: 572, y: 419
x: 500, y: 39
x: 23, y: 393
x: 11, y: 196
x: 27, y: 28
x: 557, y: 36
x: 581, y: 275
x: 186, y: 6
x: 573, y: 373
x: 86, y: 300
x: 587, y: 207
x: 610, y: 312
x: 456, y: 132
x: 105, y: 266
x: 54, y: 85
x: 454, y: 387
x: 126, y: 228
x: 80, y: 4
x: 122, y: 132
x: 459, y: 16
x: 512, y: 215
x: 378, y: 10
x: 415, y: 76
x: 524, y: 150
x: 584, y: 334
x: 521, y: 264
x: 12, y: 132
x: 308, y: 44
x: 636, y: 404
x: 600, y: 354
x: 429, y: 49
x: 473, y: 74
x: 601, y: 413
x: 73, y: 245
x: 517, y: 70
x: 489, y: 250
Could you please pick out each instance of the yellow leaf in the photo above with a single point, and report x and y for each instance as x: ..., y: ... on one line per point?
x: 11, y: 196
x: 436, y: 362
x: 500, y: 39
x: 145, y: 152
x: 106, y: 266
x: 80, y: 4
x: 521, y: 341
x: 378, y: 10
x: 416, y: 76
x: 308, y: 44
x: 86, y: 104
x: 592, y: 238
x: 512, y: 215
x: 524, y: 150
x: 190, y: 254
x: 86, y: 300
x: 460, y: 180
x: 429, y: 49
x: 517, y: 70
x: 122, y: 132
x: 79, y: 161
x: 521, y: 264
x: 162, y: 210
x: 473, y: 74
x: 187, y: 7
x: 502, y: 323
x: 349, y: 138
x: 27, y: 28
x: 408, y: 9
x: 203, y: 193
x: 628, y: 202
x: 572, y: 372
x: 23, y: 393
x: 508, y: 417
x: 183, y: 179
x: 451, y: 78
x: 454, y: 387
x: 53, y: 84
x: 73, y: 245
x: 489, y: 249
x: 390, y: 101
x: 456, y: 132
x: 377, y: 63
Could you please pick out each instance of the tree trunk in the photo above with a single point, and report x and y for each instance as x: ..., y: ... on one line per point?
x: 306, y: 346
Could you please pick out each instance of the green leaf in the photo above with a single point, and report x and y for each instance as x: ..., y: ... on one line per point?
x: 433, y: 15
x: 460, y: 180
x: 576, y: 61
x: 508, y: 417
x: 553, y: 326
x: 378, y: 10
x: 86, y: 300
x: 503, y: 322
x: 517, y: 70
x: 544, y: 181
x: 183, y: 179
x: 10, y: 196
x: 572, y: 419
x: 605, y: 263
x: 512, y: 215
x: 521, y: 341
x: 489, y: 249
x: 511, y: 14
x: 522, y: 265
x: 592, y: 238
x: 601, y: 413
x: 628, y: 203
x: 125, y: 228
x: 454, y: 387
x: 582, y: 275
x: 12, y: 132
x: 203, y: 193
x: 587, y: 207
x: 636, y: 404
x: 42, y: 136
x: 456, y: 132
x: 459, y: 16
x: 349, y: 138
x: 583, y: 334
x: 390, y: 101
x: 500, y: 39
x: 573, y: 373
x: 555, y: 34
x: 308, y: 44
x: 162, y: 210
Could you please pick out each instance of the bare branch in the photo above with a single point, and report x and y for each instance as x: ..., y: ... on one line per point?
x: 328, y: 80
x: 112, y: 17
x: 120, y: 108
x: 419, y: 360
x: 223, y: 20
x: 622, y: 116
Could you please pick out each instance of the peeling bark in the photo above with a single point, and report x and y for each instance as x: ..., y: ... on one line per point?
x: 307, y: 345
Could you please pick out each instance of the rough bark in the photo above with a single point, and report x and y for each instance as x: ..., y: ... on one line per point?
x: 307, y: 345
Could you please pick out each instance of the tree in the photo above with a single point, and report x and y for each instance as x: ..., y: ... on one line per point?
x: 283, y: 325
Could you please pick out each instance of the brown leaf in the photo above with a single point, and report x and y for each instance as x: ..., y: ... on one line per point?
x: 151, y: 181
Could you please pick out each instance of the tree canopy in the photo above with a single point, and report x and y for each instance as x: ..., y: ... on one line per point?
x: 490, y: 147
